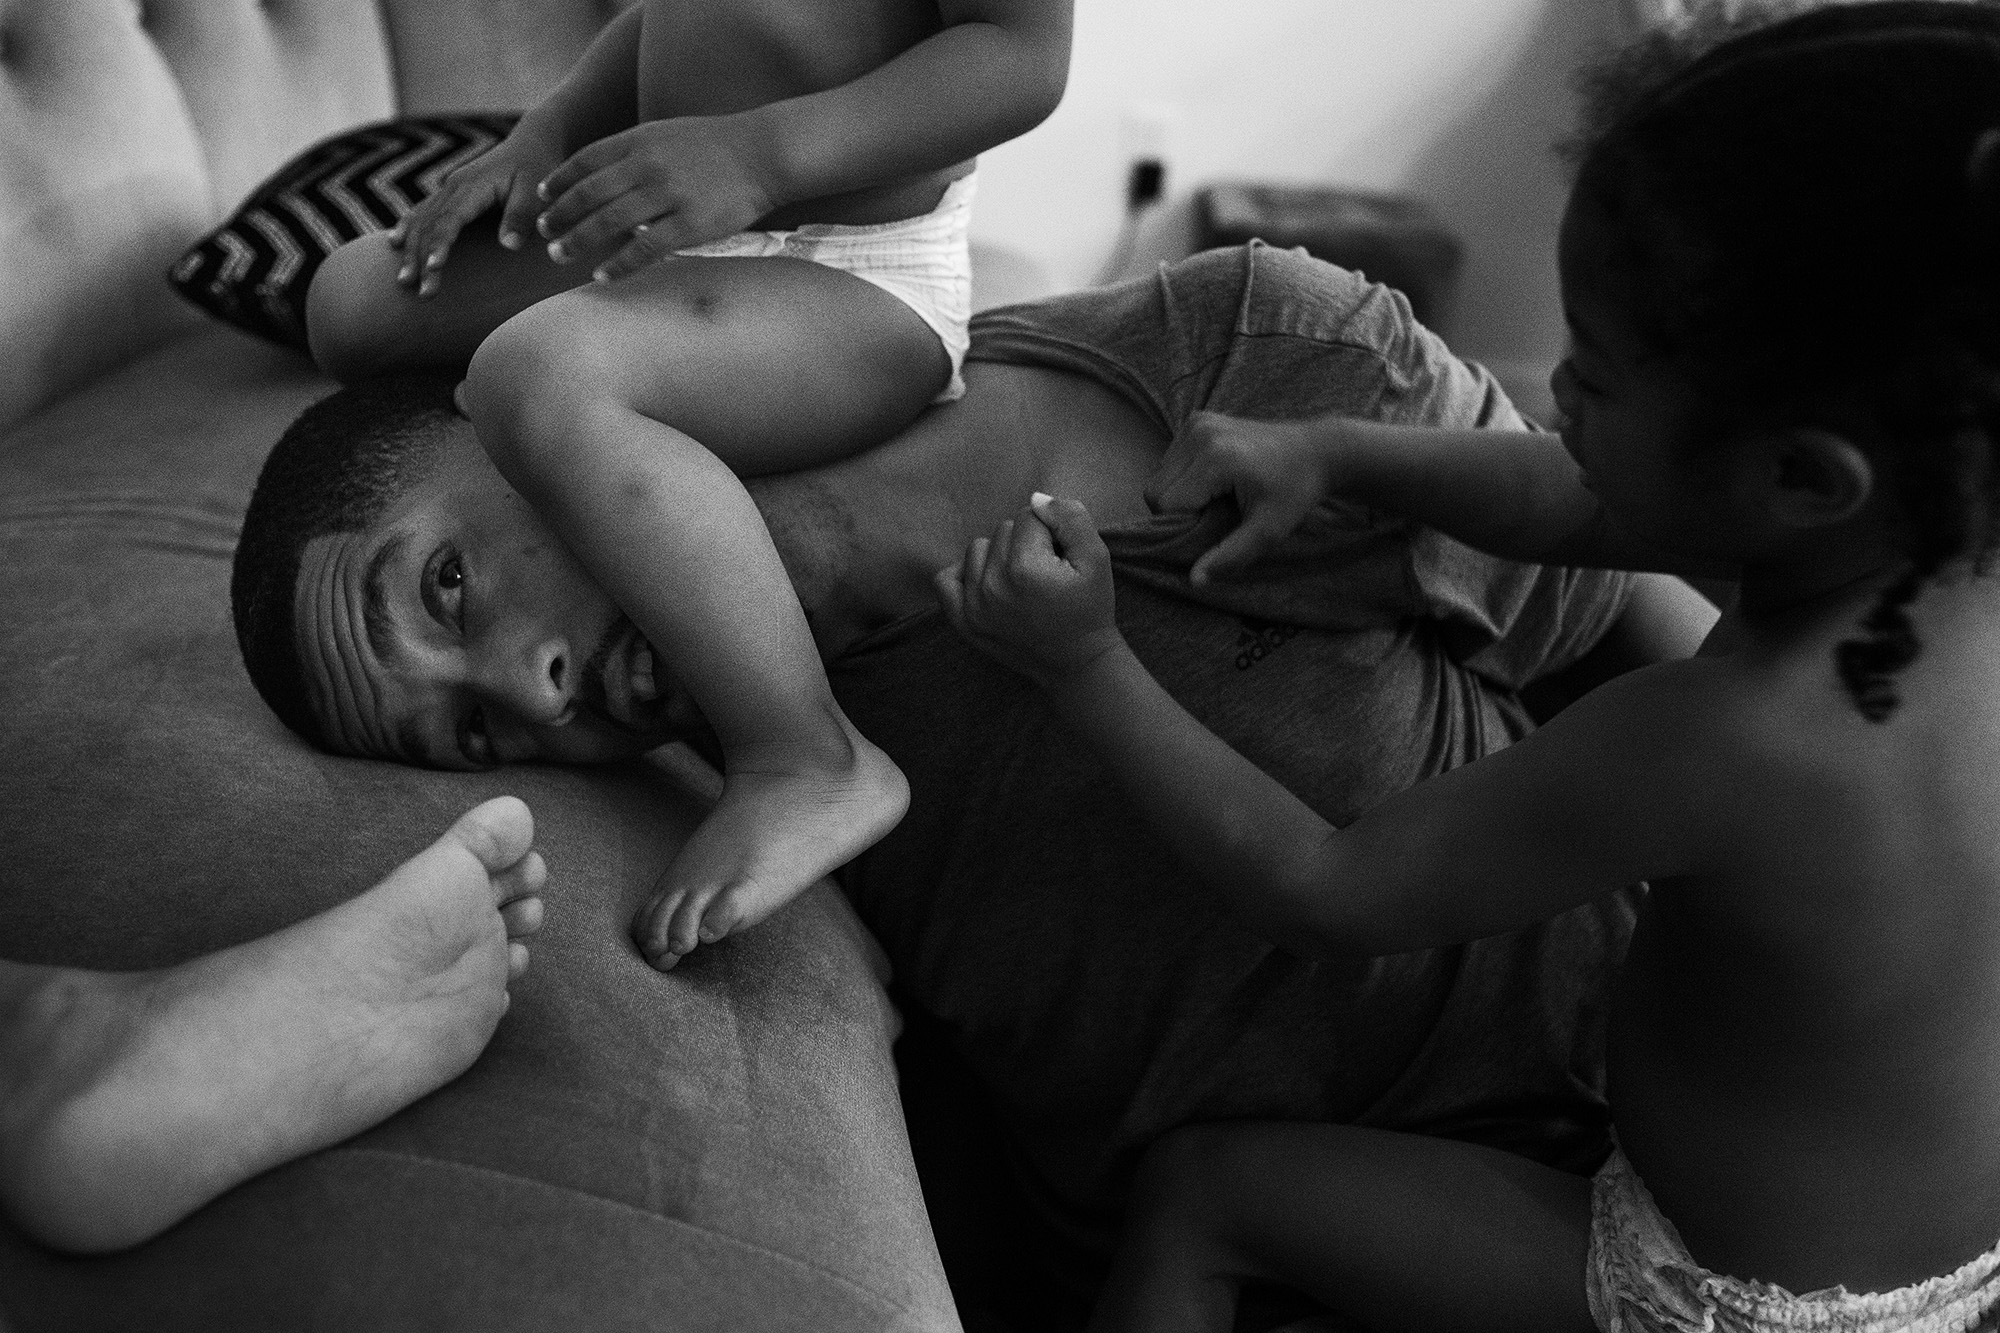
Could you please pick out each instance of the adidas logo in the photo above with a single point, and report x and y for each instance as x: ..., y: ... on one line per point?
x: 1259, y: 639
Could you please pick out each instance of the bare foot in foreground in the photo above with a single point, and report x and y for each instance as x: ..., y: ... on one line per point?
x: 776, y: 830
x: 129, y: 1099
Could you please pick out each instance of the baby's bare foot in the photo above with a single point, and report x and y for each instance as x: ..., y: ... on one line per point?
x: 774, y: 832
x: 127, y: 1100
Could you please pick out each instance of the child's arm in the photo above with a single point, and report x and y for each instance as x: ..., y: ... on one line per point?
x: 995, y: 71
x: 1577, y: 810
x: 598, y: 97
x: 1514, y: 494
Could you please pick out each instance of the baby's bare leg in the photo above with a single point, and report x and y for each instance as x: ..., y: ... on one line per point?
x: 127, y: 1100
x: 625, y: 414
x: 361, y: 322
x: 1397, y: 1231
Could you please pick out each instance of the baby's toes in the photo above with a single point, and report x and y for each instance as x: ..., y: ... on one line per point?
x: 650, y: 931
x: 517, y: 959
x: 722, y: 918
x: 685, y: 932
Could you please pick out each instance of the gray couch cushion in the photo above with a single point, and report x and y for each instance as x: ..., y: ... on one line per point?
x: 718, y: 1148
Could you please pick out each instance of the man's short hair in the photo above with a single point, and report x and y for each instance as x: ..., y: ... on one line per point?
x: 338, y: 468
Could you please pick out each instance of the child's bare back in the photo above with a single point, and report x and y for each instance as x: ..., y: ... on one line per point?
x: 1832, y: 970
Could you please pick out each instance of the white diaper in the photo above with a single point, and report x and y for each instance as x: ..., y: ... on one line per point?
x: 922, y: 262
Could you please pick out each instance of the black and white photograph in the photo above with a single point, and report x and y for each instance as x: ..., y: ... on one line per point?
x: 1000, y: 666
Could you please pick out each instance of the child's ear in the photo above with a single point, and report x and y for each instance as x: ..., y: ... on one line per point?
x: 1809, y: 478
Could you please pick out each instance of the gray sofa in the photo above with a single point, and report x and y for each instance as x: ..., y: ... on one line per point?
x: 719, y: 1148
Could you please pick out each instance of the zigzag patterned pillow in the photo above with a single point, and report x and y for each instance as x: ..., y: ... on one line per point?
x: 253, y: 270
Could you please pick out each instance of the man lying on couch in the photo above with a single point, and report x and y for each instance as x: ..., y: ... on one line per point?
x: 395, y: 598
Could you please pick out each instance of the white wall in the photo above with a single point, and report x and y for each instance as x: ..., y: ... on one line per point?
x: 1455, y: 101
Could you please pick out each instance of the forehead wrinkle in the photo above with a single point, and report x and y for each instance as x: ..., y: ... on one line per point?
x: 355, y: 678
x: 375, y: 617
x: 316, y: 652
x: 343, y: 661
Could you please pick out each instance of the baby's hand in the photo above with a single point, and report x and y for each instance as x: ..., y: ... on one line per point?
x: 1276, y: 471
x: 1036, y: 595
x: 505, y: 174
x: 667, y: 184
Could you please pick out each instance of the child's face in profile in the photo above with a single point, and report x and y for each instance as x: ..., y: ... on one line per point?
x: 1626, y: 418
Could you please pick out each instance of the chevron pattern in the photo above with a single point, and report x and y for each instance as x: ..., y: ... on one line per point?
x: 253, y: 270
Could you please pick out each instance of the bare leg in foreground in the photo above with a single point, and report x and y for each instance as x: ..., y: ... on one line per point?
x: 129, y: 1099
x: 1404, y: 1233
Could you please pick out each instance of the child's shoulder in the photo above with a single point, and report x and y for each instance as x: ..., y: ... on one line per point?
x: 1697, y: 739
x: 1662, y: 734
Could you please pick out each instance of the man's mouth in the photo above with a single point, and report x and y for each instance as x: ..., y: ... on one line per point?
x: 621, y: 682
x: 643, y: 687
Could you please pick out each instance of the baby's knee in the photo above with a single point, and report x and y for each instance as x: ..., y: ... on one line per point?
x: 348, y: 308
x: 528, y: 385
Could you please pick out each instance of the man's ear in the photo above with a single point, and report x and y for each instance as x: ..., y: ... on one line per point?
x: 1808, y: 478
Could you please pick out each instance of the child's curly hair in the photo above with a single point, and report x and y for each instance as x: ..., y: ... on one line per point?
x: 1802, y: 216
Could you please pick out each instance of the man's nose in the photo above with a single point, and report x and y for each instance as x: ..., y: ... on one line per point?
x: 534, y: 679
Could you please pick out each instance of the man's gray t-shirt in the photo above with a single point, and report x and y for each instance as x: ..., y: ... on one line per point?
x: 1098, y: 992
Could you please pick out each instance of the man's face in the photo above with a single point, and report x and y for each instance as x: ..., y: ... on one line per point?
x: 459, y: 632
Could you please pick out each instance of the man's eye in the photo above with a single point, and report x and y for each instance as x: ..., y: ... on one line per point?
x: 450, y: 577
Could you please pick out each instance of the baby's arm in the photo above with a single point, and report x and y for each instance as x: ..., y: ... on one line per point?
x: 1514, y: 494
x: 1579, y: 809
x: 598, y: 97
x: 995, y: 70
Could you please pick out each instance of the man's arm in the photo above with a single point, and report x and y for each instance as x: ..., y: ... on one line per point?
x: 600, y: 94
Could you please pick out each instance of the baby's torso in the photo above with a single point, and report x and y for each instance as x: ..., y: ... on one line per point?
x: 708, y: 57
x: 1805, y: 1049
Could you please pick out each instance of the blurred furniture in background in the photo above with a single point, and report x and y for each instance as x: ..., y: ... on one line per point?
x: 1394, y: 239
x: 1002, y: 275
